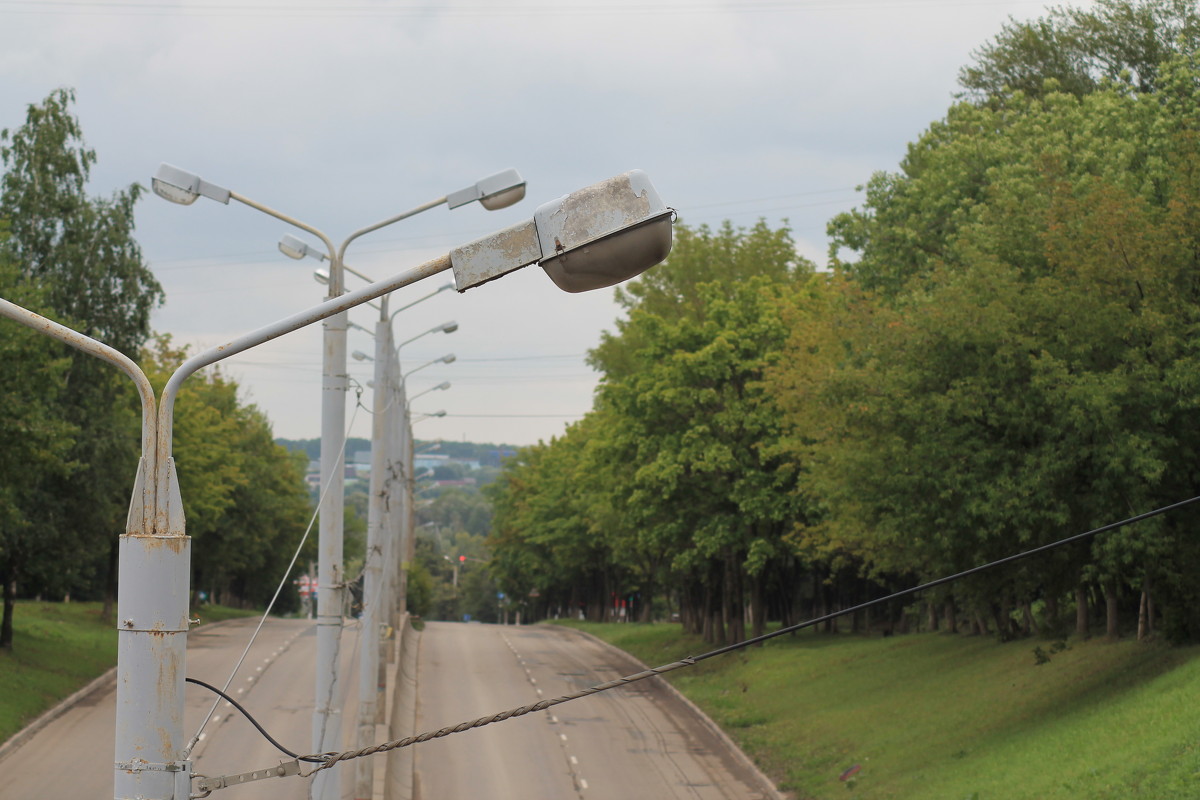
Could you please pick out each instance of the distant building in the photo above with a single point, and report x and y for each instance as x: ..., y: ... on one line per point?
x: 430, y: 460
x: 462, y: 482
x: 496, y: 458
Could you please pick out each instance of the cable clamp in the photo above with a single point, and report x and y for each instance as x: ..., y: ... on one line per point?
x: 138, y: 765
x: 207, y: 786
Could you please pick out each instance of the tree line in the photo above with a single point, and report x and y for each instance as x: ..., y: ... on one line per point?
x: 69, y: 423
x: 1001, y: 351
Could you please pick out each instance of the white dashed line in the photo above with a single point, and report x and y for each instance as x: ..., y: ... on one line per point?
x: 582, y: 783
x: 574, y: 761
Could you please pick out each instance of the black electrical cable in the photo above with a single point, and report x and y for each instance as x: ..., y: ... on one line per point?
x: 331, y: 759
x: 254, y: 722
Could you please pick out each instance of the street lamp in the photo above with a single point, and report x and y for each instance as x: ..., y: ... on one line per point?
x: 589, y: 239
x: 444, y: 385
x: 446, y: 359
x: 179, y: 186
x: 588, y: 247
x: 445, y: 327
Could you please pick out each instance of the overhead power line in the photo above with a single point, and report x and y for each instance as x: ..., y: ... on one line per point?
x: 469, y: 11
x: 331, y: 759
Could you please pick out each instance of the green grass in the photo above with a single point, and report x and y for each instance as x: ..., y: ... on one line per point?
x: 940, y: 716
x: 57, y: 649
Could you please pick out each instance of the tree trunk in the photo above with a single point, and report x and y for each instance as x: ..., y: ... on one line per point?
x: 931, y: 617
x: 1142, y: 632
x: 1081, y: 611
x: 647, y: 609
x: 731, y: 606
x: 758, y: 606
x: 1110, y: 607
x: 1149, y: 608
x: 10, y: 602
x: 1031, y: 626
x: 1052, y: 612
x: 951, y: 615
x: 108, y: 614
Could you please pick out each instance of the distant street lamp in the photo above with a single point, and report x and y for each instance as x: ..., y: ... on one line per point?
x: 446, y: 359
x: 440, y: 387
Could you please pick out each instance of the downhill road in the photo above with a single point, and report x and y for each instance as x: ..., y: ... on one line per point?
x: 72, y: 757
x: 630, y: 743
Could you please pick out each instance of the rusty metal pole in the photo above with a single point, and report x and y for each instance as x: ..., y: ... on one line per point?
x: 372, y: 594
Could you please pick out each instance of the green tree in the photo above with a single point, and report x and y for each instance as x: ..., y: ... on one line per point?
x: 81, y: 253
x: 1081, y: 47
x: 34, y: 442
x: 1019, y: 374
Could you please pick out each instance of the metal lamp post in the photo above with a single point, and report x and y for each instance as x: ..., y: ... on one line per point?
x: 180, y: 186
x: 378, y: 582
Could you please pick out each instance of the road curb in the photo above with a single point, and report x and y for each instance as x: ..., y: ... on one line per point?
x: 400, y: 776
x: 19, y: 738
x: 109, y: 678
x: 766, y: 784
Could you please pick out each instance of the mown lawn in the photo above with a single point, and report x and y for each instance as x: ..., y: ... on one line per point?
x: 57, y: 649
x: 944, y: 716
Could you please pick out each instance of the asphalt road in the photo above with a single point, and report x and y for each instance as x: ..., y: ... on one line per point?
x: 73, y: 755
x: 631, y: 743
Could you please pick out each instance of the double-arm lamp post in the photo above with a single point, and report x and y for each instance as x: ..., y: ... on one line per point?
x: 494, y: 192
x: 386, y: 512
x: 154, y: 581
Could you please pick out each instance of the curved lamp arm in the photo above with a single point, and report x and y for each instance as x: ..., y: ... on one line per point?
x: 122, y: 362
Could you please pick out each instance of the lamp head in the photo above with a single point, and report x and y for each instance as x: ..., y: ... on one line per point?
x: 607, y: 233
x: 447, y: 359
x: 183, y: 187
x: 359, y: 355
x: 292, y: 247
x: 493, y: 192
x: 442, y: 386
x: 592, y: 238
x: 449, y: 327
x: 321, y: 277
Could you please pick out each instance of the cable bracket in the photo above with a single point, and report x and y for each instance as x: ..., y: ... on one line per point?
x: 206, y: 786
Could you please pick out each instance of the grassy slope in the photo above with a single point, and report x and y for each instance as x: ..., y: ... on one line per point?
x: 939, y: 716
x: 57, y: 649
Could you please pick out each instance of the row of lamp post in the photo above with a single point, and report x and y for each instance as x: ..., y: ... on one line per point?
x: 589, y: 239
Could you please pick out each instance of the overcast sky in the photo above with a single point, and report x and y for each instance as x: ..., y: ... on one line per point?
x: 342, y: 114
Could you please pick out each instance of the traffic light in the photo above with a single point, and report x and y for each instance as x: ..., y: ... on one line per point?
x: 462, y: 559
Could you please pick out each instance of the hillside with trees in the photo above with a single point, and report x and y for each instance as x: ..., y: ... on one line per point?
x: 1002, y: 352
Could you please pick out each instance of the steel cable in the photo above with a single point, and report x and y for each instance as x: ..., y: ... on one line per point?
x: 330, y: 759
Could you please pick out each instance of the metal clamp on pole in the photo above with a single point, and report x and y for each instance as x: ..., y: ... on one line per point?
x: 206, y: 786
